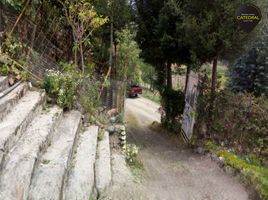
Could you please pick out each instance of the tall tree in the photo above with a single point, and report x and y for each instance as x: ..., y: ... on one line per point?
x: 161, y: 39
x: 212, y: 32
x: 83, y: 19
x: 250, y: 72
x: 118, y: 12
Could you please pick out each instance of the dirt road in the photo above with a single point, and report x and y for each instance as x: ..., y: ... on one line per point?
x: 172, y: 171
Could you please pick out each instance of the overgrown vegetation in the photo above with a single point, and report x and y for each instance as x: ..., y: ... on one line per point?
x: 70, y: 86
x: 249, y: 73
x: 152, y: 95
x: 131, y: 153
x: 239, y: 121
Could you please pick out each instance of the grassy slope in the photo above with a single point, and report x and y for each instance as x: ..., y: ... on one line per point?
x: 252, y: 170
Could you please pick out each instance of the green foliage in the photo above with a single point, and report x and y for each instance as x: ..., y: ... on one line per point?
x: 208, y: 33
x: 249, y: 166
x: 70, y: 86
x: 239, y: 121
x: 4, y: 70
x: 129, y: 55
x: 92, y: 198
x: 16, y: 4
x: 13, y: 48
x: 173, y: 103
x: 131, y: 153
x: 88, y: 94
x: 153, y: 96
x: 67, y: 92
x: 62, y: 87
x: 256, y: 174
x: 250, y: 72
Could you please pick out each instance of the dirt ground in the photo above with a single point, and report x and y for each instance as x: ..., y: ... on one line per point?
x: 171, y: 170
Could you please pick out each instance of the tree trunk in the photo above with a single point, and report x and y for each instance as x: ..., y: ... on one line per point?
x: 214, y: 79
x: 75, y: 50
x: 115, y: 62
x: 111, y: 45
x: 82, y: 56
x: 37, y: 17
x: 169, y: 76
x: 187, y: 78
x: 213, y: 93
x: 27, y: 2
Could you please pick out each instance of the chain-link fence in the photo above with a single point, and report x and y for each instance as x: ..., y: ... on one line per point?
x: 40, y: 54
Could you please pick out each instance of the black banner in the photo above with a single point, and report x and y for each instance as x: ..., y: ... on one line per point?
x: 248, y: 17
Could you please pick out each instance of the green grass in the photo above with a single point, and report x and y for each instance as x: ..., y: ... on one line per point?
x: 251, y: 169
x: 137, y: 169
x: 153, y: 96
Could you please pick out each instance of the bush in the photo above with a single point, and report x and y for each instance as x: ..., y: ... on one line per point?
x: 239, y: 122
x: 62, y: 87
x: 88, y: 94
x: 173, y: 102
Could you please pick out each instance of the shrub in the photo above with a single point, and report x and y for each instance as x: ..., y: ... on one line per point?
x: 4, y: 69
x: 172, y: 102
x: 239, y: 122
x: 62, y: 87
x: 88, y: 94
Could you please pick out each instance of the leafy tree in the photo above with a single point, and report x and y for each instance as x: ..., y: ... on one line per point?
x: 118, y: 12
x: 16, y: 4
x: 250, y: 72
x: 83, y: 19
x: 129, y: 56
x: 161, y: 39
x: 212, y: 32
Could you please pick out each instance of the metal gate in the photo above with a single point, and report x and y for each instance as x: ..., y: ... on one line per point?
x: 189, y: 113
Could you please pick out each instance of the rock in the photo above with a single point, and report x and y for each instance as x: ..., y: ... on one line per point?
x: 113, y: 112
x: 18, y: 77
x: 111, y: 129
x: 122, y: 128
x: 200, y: 150
x: 113, y: 120
x: 214, y: 157
x: 30, y: 85
x: 123, y: 138
x: 11, y: 81
x: 124, y: 147
x: 229, y: 170
x: 123, y: 133
x: 49, y: 100
x: 221, y: 162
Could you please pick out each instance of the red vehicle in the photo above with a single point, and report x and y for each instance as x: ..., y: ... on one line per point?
x: 133, y: 90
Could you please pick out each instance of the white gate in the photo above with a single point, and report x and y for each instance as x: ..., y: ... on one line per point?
x: 189, y: 113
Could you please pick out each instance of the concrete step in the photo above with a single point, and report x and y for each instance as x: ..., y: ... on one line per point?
x: 103, y: 164
x: 16, y: 122
x: 49, y: 175
x: 79, y: 182
x: 8, y: 101
x: 3, y: 83
x: 20, y: 162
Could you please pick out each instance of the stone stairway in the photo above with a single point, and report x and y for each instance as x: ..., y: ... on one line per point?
x: 46, y: 154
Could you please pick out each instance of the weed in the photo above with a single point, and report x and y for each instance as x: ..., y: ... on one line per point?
x: 101, y: 134
x: 45, y: 162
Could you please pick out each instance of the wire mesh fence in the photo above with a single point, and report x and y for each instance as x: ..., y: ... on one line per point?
x: 40, y: 53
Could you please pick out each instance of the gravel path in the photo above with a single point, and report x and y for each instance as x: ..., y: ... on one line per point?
x: 172, y: 171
